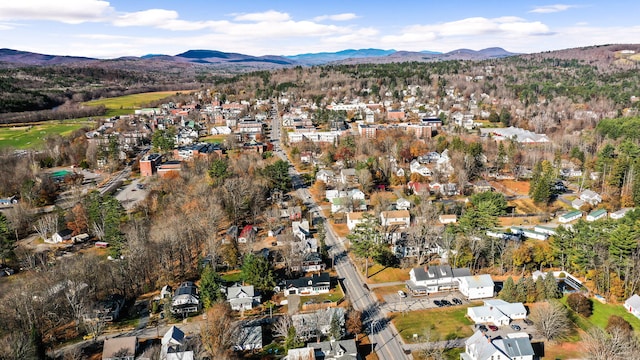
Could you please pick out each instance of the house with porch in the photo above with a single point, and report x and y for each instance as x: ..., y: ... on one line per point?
x: 434, y: 278
x: 242, y: 297
x: 497, y: 312
x: 315, y: 284
x: 515, y: 346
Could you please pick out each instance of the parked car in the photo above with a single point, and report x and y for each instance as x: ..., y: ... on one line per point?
x: 492, y: 327
x: 402, y: 294
x: 515, y: 327
x: 446, y: 303
x: 457, y: 301
x: 528, y: 322
x: 482, y: 328
x: 438, y: 303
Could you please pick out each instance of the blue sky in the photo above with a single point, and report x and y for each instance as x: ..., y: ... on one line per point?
x: 113, y: 28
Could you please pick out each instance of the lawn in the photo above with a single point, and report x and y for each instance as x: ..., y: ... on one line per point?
x: 447, y: 323
x: 449, y: 354
x: 381, y: 292
x: 131, y: 102
x: 234, y: 276
x: 214, y: 139
x: 601, y: 314
x: 381, y: 274
x: 334, y: 295
x: 33, y: 136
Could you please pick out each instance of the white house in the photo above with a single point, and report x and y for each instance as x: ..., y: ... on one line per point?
x: 335, y: 350
x: 448, y: 219
x: 325, y: 176
x: 301, y: 230
x: 476, y: 287
x: 597, y: 215
x: 242, y: 297
x: 570, y: 216
x: 545, y: 229
x: 310, y: 325
x: 354, y: 218
x: 497, y: 312
x: 632, y: 305
x: 400, y: 218
x: 347, y: 175
x: 482, y: 347
x: 617, y: 215
x: 591, y: 197
x: 435, y: 278
x: 312, y: 285
x: 60, y: 236
x: 403, y: 204
x: 172, y: 347
x: 416, y: 168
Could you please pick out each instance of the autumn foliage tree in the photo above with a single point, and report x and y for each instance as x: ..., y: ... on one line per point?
x: 580, y: 304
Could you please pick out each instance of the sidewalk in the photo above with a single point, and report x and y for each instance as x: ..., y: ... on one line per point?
x: 391, y: 283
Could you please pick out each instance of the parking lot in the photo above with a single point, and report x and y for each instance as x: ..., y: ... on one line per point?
x: 395, y: 303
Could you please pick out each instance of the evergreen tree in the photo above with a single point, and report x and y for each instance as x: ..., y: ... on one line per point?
x: 623, y: 242
x: 551, y: 287
x: 219, y: 170
x: 335, y: 329
x: 508, y: 292
x: 541, y: 293
x: 291, y: 341
x: 7, y: 243
x: 257, y: 271
x: 521, y: 290
x: 210, y: 291
x: 530, y: 290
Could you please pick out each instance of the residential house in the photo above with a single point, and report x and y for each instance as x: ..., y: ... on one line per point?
x: 528, y: 233
x: 577, y: 203
x: 336, y: 350
x: 348, y: 176
x: 248, y: 234
x: 306, y: 353
x: 311, y: 285
x: 248, y: 338
x: 617, y: 215
x: 348, y: 204
x: 186, y: 299
x: 416, y: 168
x: 325, y: 176
x: 597, y: 215
x: 448, y: 219
x: 570, y: 216
x: 60, y: 236
x: 311, y: 325
x: 402, y: 204
x: 497, y: 312
x: 591, y: 197
x: 311, y: 262
x: 419, y: 188
x: 107, y: 310
x: 482, y: 186
x: 513, y: 347
x: 120, y: 348
x: 301, y: 230
x: 242, y: 297
x: 355, y: 218
x: 434, y: 278
x: 476, y: 287
x: 173, y: 346
x: 400, y: 218
x: 544, y: 230
x: 292, y: 213
x: 632, y: 305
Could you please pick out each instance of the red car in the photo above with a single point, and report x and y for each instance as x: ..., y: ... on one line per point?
x: 492, y: 327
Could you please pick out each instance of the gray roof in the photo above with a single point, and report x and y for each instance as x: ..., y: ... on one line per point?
x: 515, y: 347
x: 331, y: 348
x: 633, y: 301
x: 234, y: 291
x: 439, y: 272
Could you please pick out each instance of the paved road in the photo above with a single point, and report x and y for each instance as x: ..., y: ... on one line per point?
x: 387, y: 342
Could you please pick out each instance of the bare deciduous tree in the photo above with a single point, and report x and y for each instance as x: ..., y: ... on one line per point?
x: 551, y: 320
x: 281, y: 326
x: 47, y: 225
x: 616, y: 345
x: 217, y: 333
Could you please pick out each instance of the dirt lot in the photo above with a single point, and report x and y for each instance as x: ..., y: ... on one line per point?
x: 511, y: 187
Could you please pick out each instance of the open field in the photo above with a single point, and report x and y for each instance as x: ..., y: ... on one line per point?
x: 33, y: 136
x: 447, y: 323
x: 601, y: 314
x: 131, y: 102
x: 563, y: 350
x: 511, y: 187
x: 381, y: 274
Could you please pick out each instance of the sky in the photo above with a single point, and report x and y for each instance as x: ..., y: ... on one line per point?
x: 114, y: 28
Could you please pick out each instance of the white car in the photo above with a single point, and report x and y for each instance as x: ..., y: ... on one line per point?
x: 402, y: 294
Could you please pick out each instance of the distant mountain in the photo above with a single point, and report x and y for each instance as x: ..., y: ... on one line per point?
x: 217, y: 57
x: 427, y: 56
x: 240, y: 62
x: 325, y: 57
x: 29, y: 58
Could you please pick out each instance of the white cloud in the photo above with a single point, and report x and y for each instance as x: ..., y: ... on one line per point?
x: 548, y: 9
x: 336, y: 17
x: 151, y: 17
x: 67, y: 11
x: 267, y: 16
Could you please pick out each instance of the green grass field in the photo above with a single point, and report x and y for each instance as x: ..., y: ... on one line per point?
x: 33, y: 136
x: 601, y: 314
x: 122, y: 105
x: 447, y: 323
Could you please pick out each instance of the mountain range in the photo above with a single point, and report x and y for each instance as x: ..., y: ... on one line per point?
x: 12, y: 57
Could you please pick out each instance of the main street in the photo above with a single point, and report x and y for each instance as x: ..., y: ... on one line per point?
x: 387, y: 342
